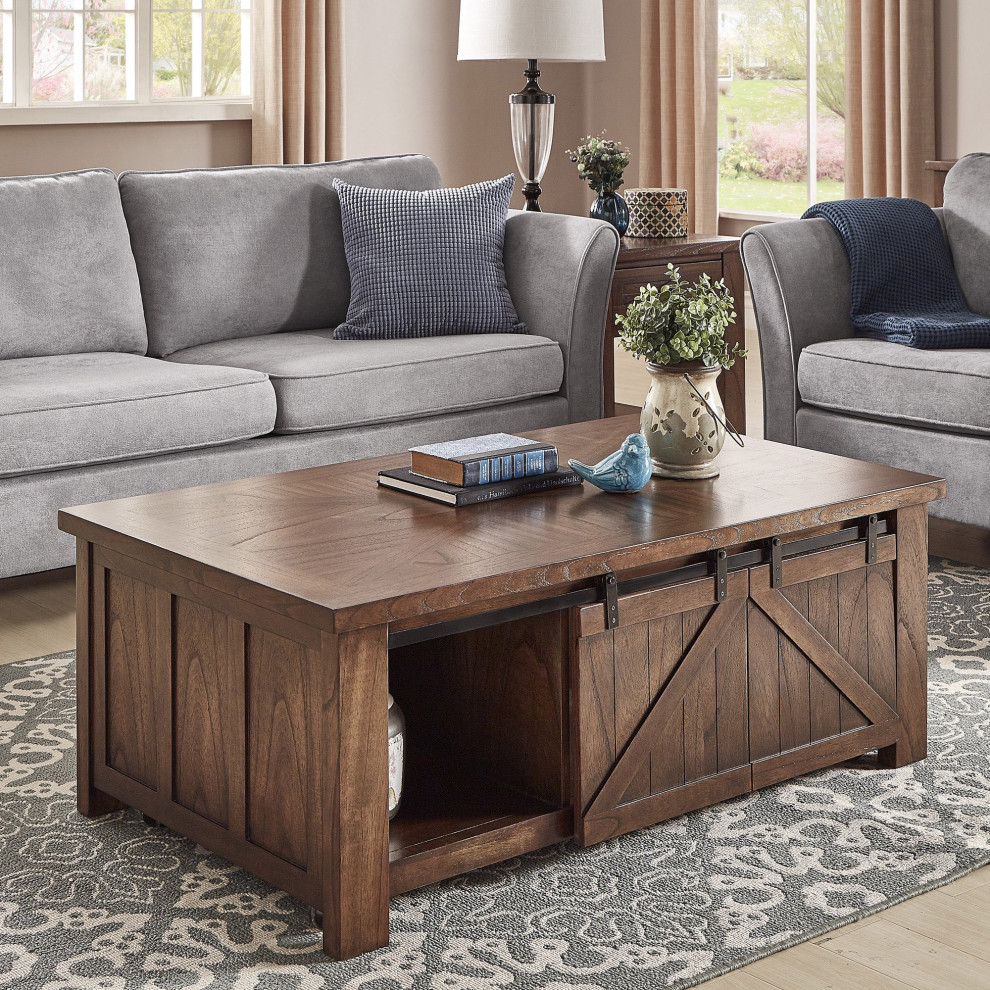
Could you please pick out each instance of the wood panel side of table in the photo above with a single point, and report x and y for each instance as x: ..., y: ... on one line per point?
x: 256, y: 736
x: 264, y: 740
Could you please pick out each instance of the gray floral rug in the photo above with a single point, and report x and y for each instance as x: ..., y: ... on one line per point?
x: 114, y: 904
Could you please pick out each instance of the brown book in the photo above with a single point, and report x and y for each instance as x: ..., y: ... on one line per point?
x: 483, y: 460
x: 403, y: 480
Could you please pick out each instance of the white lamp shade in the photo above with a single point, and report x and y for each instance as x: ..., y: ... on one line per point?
x: 548, y: 30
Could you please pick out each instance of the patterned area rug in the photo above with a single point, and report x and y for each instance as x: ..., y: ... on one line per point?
x: 114, y: 904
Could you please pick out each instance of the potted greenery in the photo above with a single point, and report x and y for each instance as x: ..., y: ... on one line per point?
x: 601, y: 163
x: 679, y: 329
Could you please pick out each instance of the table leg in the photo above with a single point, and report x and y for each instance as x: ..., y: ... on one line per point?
x: 355, y: 790
x: 90, y: 802
x: 911, y: 603
x: 608, y: 367
x: 732, y: 383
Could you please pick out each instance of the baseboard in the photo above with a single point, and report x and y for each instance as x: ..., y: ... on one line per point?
x: 35, y: 578
x: 959, y: 541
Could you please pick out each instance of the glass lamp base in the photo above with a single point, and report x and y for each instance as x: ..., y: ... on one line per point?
x: 531, y: 119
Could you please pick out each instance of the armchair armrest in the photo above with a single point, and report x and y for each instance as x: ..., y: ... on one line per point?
x: 559, y: 271
x: 799, y: 279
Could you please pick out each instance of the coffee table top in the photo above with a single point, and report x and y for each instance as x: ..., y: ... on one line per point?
x: 328, y: 538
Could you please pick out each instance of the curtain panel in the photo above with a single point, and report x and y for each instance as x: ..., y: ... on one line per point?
x: 297, y: 105
x: 890, y: 98
x: 678, y: 128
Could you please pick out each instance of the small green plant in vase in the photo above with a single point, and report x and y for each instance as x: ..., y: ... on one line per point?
x: 601, y: 163
x: 679, y: 330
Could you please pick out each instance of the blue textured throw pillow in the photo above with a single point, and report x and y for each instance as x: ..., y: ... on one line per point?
x: 426, y: 264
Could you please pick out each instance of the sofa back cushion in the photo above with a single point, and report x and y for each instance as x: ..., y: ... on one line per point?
x: 967, y: 224
x: 68, y: 284
x: 238, y: 252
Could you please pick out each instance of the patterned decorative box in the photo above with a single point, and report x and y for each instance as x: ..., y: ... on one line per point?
x: 657, y: 212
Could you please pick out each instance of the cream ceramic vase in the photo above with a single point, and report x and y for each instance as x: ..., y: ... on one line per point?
x: 683, y: 435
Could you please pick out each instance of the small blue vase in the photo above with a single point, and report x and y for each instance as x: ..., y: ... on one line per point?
x: 611, y: 207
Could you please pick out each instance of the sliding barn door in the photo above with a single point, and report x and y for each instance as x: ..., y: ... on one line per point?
x: 691, y: 700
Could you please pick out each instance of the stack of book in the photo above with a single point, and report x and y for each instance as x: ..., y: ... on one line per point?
x: 480, y: 469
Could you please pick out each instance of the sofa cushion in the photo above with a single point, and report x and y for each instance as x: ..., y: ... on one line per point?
x: 237, y: 252
x: 966, y: 216
x: 327, y: 384
x: 61, y: 412
x: 68, y: 283
x: 426, y: 264
x: 940, y: 390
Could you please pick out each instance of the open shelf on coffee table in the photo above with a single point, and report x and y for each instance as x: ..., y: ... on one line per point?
x: 487, y: 751
x: 449, y: 811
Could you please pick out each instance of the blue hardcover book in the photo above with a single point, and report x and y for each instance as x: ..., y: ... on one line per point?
x: 484, y: 460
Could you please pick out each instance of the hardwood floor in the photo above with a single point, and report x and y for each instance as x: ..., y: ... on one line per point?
x: 37, y: 615
x: 938, y: 941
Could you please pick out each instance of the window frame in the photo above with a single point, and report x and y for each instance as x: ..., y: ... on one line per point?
x: 141, y: 109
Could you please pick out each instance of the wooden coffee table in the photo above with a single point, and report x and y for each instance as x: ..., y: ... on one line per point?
x: 572, y: 664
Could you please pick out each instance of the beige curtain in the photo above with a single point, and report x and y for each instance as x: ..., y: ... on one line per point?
x: 297, y: 115
x: 890, y: 98
x: 678, y: 130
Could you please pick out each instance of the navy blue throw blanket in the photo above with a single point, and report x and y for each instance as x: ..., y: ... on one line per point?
x: 904, y: 288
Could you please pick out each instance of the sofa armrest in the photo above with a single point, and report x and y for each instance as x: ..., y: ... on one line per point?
x: 799, y: 280
x: 559, y: 270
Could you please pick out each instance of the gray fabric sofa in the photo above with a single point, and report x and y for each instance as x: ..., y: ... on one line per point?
x: 923, y: 410
x: 170, y: 329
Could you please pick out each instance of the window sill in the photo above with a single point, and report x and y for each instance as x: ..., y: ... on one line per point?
x: 757, y: 217
x: 128, y: 113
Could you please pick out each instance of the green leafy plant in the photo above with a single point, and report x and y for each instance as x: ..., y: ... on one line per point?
x: 737, y: 161
x: 681, y: 321
x: 601, y: 163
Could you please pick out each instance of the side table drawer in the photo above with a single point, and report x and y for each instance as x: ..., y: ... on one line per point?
x: 691, y: 700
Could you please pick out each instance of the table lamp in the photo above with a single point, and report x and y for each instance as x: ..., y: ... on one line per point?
x: 551, y: 30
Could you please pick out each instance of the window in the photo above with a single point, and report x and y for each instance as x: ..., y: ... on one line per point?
x: 781, y: 104
x: 201, y: 48
x: 6, y: 52
x: 123, y: 54
x: 81, y: 50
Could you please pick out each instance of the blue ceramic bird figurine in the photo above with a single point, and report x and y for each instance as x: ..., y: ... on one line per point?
x: 627, y: 470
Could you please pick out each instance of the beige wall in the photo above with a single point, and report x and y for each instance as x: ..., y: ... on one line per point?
x: 964, y: 77
x: 405, y: 91
x: 31, y: 149
x: 611, y: 99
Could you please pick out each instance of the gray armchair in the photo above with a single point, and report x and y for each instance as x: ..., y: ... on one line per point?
x: 925, y: 411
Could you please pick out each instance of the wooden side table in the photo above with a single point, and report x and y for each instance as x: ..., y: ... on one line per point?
x: 939, y: 169
x: 645, y: 259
